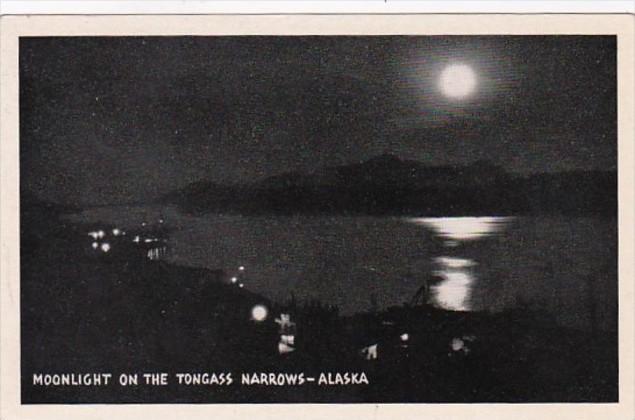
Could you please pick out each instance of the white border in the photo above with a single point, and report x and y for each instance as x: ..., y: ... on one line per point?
x: 12, y: 27
x: 305, y: 6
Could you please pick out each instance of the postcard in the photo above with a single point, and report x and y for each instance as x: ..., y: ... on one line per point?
x: 357, y: 216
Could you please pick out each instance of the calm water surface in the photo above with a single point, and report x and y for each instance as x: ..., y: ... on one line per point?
x: 561, y: 266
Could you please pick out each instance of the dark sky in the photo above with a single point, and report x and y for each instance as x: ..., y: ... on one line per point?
x: 112, y: 119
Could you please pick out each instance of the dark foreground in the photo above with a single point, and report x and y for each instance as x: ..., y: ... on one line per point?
x: 133, y: 316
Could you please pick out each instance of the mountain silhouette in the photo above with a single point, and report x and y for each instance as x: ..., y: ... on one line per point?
x: 386, y: 184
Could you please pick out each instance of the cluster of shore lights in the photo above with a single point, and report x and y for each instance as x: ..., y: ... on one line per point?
x: 105, y: 246
x: 101, y: 234
x: 234, y: 279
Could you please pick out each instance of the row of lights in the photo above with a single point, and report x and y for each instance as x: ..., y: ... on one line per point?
x: 144, y: 224
x: 137, y: 239
x: 105, y: 246
x: 100, y: 234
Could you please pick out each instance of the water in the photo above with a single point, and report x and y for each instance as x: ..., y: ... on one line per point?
x: 563, y: 267
x: 458, y: 276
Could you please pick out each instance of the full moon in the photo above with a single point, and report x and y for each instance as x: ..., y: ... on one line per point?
x: 458, y: 81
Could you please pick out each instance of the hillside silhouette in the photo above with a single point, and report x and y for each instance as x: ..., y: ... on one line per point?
x: 388, y: 185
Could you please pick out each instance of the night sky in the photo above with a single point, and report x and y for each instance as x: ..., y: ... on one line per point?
x: 114, y: 120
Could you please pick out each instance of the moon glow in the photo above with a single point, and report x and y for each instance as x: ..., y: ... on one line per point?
x: 458, y: 81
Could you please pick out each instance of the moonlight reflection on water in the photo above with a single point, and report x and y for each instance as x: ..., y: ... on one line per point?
x: 454, y: 291
x: 464, y: 228
x: 360, y: 263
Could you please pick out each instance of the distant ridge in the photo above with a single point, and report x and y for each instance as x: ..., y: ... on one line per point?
x: 386, y: 184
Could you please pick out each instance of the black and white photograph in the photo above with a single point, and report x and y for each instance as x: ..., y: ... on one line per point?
x: 318, y: 219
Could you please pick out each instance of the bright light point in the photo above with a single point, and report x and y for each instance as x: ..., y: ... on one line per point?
x: 404, y: 337
x: 241, y: 285
x: 101, y: 234
x: 116, y: 232
x: 259, y: 313
x: 457, y: 344
x: 241, y: 268
x: 93, y: 235
x: 458, y: 81
x: 136, y: 239
x: 105, y: 247
x: 95, y: 245
x: 234, y: 279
